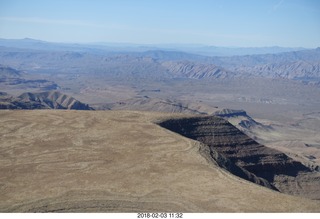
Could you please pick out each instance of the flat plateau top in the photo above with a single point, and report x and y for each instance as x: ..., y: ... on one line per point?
x: 117, y: 161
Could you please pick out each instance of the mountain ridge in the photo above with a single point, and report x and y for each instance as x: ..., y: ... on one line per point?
x: 301, y: 65
x: 203, y: 50
x: 42, y: 100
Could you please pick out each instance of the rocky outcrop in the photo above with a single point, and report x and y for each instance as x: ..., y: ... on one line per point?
x: 43, y: 100
x: 146, y: 103
x: 245, y: 157
x: 230, y: 113
x: 187, y: 69
x: 298, y: 70
x: 241, y: 120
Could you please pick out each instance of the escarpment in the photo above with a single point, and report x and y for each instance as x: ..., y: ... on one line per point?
x: 239, y: 154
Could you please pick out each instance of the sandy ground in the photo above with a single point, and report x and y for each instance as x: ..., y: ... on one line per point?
x: 117, y: 161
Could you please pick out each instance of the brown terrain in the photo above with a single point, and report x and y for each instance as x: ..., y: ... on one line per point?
x: 41, y: 100
x: 248, y: 159
x: 123, y: 161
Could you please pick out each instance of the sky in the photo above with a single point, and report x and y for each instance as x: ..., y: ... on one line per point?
x: 231, y: 23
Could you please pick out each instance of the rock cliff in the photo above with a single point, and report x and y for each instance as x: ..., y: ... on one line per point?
x: 246, y: 158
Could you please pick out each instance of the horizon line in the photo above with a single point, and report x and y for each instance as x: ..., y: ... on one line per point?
x: 156, y: 44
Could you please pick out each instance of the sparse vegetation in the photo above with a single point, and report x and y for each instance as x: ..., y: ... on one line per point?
x: 117, y: 160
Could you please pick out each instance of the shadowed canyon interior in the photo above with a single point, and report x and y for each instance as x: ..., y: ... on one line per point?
x: 246, y: 158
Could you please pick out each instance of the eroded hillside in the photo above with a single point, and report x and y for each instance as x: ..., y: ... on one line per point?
x: 41, y: 100
x: 247, y: 158
x: 118, y: 161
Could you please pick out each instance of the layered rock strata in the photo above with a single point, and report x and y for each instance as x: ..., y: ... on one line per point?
x: 236, y: 152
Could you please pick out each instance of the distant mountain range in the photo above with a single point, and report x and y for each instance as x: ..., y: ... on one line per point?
x: 36, y: 56
x: 204, y: 50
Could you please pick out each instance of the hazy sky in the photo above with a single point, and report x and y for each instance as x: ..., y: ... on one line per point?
x: 289, y: 23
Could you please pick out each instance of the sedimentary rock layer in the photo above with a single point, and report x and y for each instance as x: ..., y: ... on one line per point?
x: 247, y: 158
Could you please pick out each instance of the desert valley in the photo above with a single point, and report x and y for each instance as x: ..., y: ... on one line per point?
x: 150, y: 128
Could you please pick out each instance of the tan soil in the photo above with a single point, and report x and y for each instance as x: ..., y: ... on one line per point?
x: 117, y: 161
